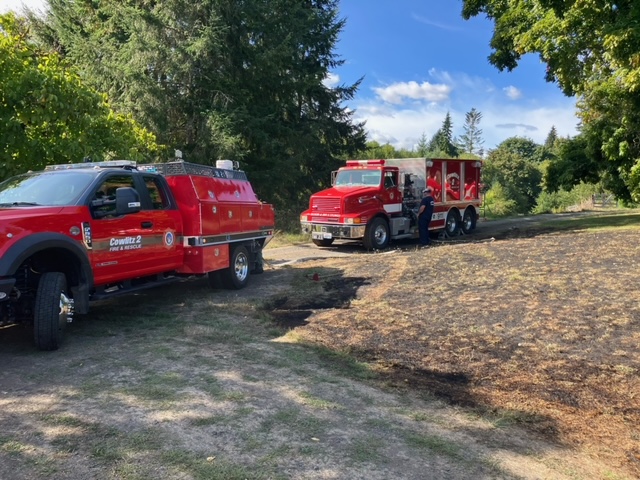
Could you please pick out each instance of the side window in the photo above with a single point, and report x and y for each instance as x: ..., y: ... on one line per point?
x: 390, y: 180
x: 104, y: 200
x: 159, y: 200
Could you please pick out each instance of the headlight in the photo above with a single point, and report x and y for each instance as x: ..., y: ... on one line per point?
x: 303, y: 218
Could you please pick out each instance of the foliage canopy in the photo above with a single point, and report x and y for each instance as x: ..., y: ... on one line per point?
x: 48, y: 115
x: 592, y: 50
x: 221, y: 79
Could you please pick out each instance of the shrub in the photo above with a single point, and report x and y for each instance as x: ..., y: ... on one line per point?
x: 562, y: 201
x: 497, y: 203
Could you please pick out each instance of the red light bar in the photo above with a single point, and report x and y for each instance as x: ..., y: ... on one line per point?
x: 361, y: 163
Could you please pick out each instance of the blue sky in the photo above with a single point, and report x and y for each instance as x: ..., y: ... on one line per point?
x: 420, y: 60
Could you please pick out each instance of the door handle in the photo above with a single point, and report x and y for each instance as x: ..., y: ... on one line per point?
x: 147, y: 224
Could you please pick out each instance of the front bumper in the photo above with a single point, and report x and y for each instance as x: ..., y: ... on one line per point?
x: 321, y: 231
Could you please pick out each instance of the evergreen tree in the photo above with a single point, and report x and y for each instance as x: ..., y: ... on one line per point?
x: 422, y: 148
x: 471, y: 141
x: 433, y: 147
x: 443, y: 140
x: 552, y: 136
x: 222, y: 79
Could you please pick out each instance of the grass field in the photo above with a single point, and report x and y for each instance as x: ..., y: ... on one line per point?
x: 511, y: 358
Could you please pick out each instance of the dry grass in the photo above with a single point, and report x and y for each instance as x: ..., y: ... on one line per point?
x: 536, y: 329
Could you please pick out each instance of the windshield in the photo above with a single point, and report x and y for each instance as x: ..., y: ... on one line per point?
x: 44, y: 188
x: 370, y: 178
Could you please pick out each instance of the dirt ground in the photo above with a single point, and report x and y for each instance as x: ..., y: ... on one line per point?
x: 513, y: 353
x: 537, y: 327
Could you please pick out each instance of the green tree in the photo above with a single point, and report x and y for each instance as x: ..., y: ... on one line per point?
x: 591, y: 49
x: 552, y: 136
x: 422, y: 147
x: 517, y: 170
x: 521, y: 146
x: 573, y: 163
x: 471, y: 140
x: 48, y: 115
x: 375, y: 150
x: 222, y: 79
x: 433, y: 147
x: 442, y: 142
x: 446, y: 140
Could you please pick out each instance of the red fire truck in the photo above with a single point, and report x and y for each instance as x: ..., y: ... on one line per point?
x: 80, y: 232
x: 376, y: 201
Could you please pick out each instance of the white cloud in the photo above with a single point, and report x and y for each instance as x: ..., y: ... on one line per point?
x: 396, y: 93
x: 331, y: 80
x: 512, y: 92
x: 402, y: 123
x: 402, y: 127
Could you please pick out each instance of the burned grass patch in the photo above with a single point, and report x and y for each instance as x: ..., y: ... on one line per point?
x: 315, y: 289
x: 543, y: 330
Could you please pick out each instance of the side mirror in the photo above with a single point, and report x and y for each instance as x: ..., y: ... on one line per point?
x: 127, y: 201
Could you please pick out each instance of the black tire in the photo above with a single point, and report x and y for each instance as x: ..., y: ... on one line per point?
x: 52, y: 309
x: 376, y: 235
x: 469, y: 220
x: 325, y: 242
x: 452, y: 226
x: 236, y: 275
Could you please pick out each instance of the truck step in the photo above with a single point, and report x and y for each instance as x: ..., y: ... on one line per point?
x: 134, y: 285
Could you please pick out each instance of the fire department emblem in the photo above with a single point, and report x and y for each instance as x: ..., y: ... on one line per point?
x: 169, y: 238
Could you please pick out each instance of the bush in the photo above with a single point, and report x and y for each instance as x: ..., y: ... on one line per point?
x: 497, y: 203
x: 562, y: 201
x: 288, y: 219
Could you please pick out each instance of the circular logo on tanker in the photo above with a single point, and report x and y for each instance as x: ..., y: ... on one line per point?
x: 169, y: 238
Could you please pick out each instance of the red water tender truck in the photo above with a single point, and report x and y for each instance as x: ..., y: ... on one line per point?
x: 80, y: 232
x: 376, y: 201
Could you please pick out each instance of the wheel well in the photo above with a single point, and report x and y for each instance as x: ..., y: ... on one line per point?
x: 455, y: 210
x: 379, y: 215
x: 55, y: 260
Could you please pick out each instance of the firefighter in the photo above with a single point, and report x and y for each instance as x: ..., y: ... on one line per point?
x: 424, y: 215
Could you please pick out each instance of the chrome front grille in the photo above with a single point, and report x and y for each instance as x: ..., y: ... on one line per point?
x: 325, y: 205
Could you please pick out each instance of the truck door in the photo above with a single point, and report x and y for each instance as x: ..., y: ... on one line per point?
x: 392, y: 198
x: 132, y: 245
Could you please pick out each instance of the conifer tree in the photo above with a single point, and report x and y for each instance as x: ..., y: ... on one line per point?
x: 471, y: 140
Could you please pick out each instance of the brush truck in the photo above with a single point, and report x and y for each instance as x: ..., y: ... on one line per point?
x: 375, y: 201
x: 75, y: 233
